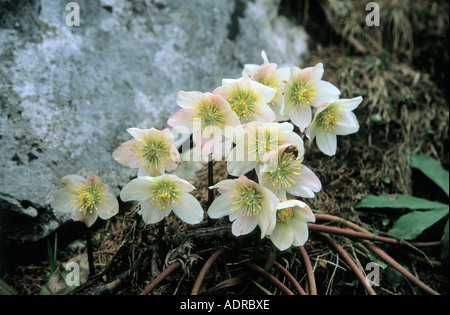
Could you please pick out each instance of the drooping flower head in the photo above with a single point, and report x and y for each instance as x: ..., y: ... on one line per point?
x: 247, y: 204
x: 284, y: 173
x: 85, y: 198
x: 291, y: 228
x: 270, y: 75
x: 151, y: 151
x: 254, y: 140
x: 333, y: 118
x: 306, y: 89
x: 159, y: 196
x: 248, y: 99
x: 206, y: 115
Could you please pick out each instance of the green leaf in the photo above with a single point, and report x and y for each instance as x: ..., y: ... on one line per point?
x: 412, y: 224
x: 399, y: 201
x: 6, y: 289
x: 444, y: 245
x: 432, y: 169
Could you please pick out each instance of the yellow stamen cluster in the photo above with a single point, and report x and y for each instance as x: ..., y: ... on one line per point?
x: 272, y: 83
x: 302, y: 93
x: 285, y: 215
x: 209, y: 115
x: 286, y: 172
x: 153, y: 154
x: 87, y: 198
x: 329, y: 118
x: 248, y: 201
x: 264, y: 141
x: 164, y: 194
x: 243, y: 103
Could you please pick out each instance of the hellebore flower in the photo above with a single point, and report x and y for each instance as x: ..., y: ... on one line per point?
x: 247, y: 204
x: 159, y: 196
x: 306, y: 89
x: 254, y: 140
x: 291, y: 228
x: 151, y: 151
x: 284, y: 173
x: 333, y: 118
x: 248, y: 99
x: 86, y: 199
x: 206, y: 115
x: 269, y: 75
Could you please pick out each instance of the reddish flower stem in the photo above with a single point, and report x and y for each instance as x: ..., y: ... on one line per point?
x: 268, y: 276
x: 204, y: 271
x: 309, y: 271
x: 160, y: 278
x: 349, y: 261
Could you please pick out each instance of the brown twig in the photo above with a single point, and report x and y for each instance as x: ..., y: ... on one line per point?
x: 290, y: 277
x: 350, y: 262
x: 388, y: 259
x: 160, y: 278
x: 309, y: 271
x: 205, y: 270
x: 268, y: 276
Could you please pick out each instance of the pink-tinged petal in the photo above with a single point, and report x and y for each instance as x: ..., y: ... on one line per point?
x: 125, y: 154
x: 88, y: 218
x: 249, y: 70
x: 189, y: 209
x: 350, y: 104
x: 300, y: 116
x: 109, y: 207
x: 264, y: 71
x: 189, y: 99
x: 62, y: 201
x: 327, y: 142
x: 182, y: 117
x: 150, y: 213
x: 243, y: 225
x: 348, y: 124
x: 137, y: 189
x: 312, y: 74
x: 182, y: 184
x: 325, y: 91
x: 265, y: 113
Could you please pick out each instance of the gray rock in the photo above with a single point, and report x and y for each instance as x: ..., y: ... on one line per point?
x: 68, y: 94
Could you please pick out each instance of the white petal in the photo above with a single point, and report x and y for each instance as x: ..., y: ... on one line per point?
x: 350, y: 104
x: 88, y: 218
x: 150, y: 213
x: 125, y: 154
x: 325, y: 92
x: 237, y: 168
x: 264, y: 113
x: 189, y: 99
x: 327, y: 142
x: 301, y: 232
x: 347, y: 125
x: 139, y: 134
x: 306, y: 184
x: 300, y: 116
x: 221, y: 206
x: 62, y: 201
x: 189, y: 209
x: 282, y: 236
x: 243, y: 225
x: 109, y: 207
x: 137, y: 189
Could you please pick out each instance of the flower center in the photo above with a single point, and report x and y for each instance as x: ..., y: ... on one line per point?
x: 286, y: 172
x: 209, y: 114
x: 164, y: 194
x: 272, y: 83
x: 264, y: 141
x: 329, y: 118
x: 247, y: 200
x: 302, y: 93
x: 243, y: 103
x: 87, y: 198
x: 153, y: 154
x: 285, y: 215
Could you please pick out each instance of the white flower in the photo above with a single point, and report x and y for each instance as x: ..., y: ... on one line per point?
x: 254, y: 140
x: 291, y: 228
x: 151, y: 151
x: 247, y: 204
x: 248, y: 99
x: 284, y: 173
x: 159, y: 196
x: 86, y: 199
x: 206, y: 115
x: 331, y: 119
x: 306, y: 89
x: 270, y: 75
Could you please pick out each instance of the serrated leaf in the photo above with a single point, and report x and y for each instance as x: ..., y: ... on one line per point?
x: 399, y: 202
x: 432, y: 169
x: 412, y: 224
